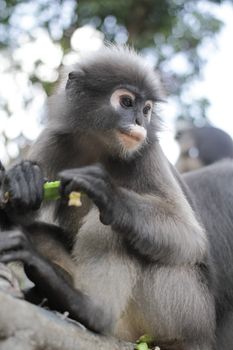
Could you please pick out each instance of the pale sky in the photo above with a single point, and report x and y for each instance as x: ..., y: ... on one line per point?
x: 217, y: 84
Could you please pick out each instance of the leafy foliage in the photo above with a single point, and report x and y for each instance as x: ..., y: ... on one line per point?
x: 171, y: 33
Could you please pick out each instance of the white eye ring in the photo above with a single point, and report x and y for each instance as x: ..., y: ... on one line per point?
x: 116, y: 96
x: 147, y: 109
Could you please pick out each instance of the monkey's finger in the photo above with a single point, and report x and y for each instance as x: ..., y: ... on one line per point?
x: 35, y: 180
x: 93, y: 180
x: 19, y: 191
x: 106, y: 217
x: 12, y: 240
x: 10, y: 244
x: 95, y: 188
x: 37, y: 190
x: 13, y: 234
x: 22, y: 255
x: 83, y: 183
x: 67, y: 175
x: 68, y: 186
x: 86, y: 185
x: 13, y: 186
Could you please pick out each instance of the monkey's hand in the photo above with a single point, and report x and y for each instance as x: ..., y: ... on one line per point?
x: 143, y: 220
x: 15, y: 246
x: 22, y: 188
x: 95, y: 182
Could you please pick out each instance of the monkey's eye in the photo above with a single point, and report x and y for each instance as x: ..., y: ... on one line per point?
x: 147, y: 109
x: 122, y: 98
x: 126, y: 101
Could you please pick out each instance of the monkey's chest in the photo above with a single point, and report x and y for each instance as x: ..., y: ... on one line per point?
x: 136, y: 299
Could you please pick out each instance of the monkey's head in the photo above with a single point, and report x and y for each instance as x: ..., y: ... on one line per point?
x: 111, y: 97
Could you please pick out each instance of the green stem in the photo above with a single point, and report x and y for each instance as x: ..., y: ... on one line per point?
x: 51, y: 190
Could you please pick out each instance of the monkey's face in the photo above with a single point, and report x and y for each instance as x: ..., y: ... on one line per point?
x: 120, y: 122
x: 111, y: 99
x: 134, y: 115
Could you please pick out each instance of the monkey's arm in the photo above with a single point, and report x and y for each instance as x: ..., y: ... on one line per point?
x: 16, y: 246
x: 161, y: 229
x: 52, y: 279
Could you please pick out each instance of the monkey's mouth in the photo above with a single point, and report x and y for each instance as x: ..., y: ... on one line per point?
x: 131, y: 138
x: 131, y: 135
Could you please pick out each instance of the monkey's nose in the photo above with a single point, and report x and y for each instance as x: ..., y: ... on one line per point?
x: 138, y: 120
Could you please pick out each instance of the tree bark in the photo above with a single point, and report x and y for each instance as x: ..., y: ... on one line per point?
x: 24, y: 326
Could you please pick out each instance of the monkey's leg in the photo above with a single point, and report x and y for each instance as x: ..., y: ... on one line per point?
x: 15, y: 246
x: 179, y: 305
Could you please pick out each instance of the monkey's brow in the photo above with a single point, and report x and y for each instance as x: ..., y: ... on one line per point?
x: 134, y: 89
x: 138, y: 92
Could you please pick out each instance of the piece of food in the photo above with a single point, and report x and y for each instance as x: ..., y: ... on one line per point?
x: 74, y: 199
x: 51, y: 192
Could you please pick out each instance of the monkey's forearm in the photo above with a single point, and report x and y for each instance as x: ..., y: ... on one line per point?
x: 52, y: 282
x: 158, y: 229
x: 63, y: 297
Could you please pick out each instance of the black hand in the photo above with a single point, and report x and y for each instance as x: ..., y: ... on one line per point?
x: 95, y: 182
x: 15, y: 246
x: 24, y: 183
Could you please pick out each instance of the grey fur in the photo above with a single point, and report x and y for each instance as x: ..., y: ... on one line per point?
x: 145, y: 270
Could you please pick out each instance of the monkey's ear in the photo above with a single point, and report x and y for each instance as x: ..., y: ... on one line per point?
x: 75, y: 74
x: 75, y: 78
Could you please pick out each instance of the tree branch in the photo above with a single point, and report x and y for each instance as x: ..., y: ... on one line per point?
x: 24, y: 326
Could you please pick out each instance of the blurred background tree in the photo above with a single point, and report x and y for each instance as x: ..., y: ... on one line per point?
x: 38, y: 37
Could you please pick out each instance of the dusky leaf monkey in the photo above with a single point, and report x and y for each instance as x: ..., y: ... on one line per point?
x: 201, y: 146
x: 149, y: 251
